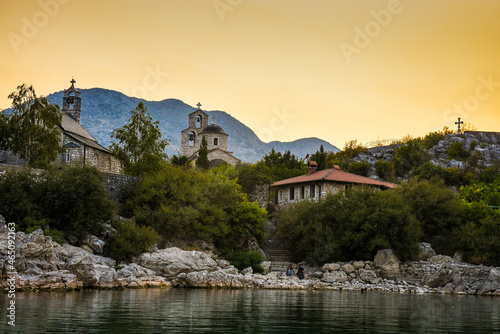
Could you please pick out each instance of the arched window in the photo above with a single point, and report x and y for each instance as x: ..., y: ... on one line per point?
x: 216, y: 141
x: 198, y: 121
x: 192, y: 137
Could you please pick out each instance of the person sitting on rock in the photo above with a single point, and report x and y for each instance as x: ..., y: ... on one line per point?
x: 289, y: 270
x: 300, y: 272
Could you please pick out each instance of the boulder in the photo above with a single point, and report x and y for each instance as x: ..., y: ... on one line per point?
x: 94, y: 243
x: 34, y: 250
x: 135, y: 276
x: 173, y: 261
x: 426, y: 252
x: 388, y: 264
x: 491, y: 285
x: 330, y: 267
x: 368, y: 276
x: 266, y: 265
x: 246, y: 271
x: 348, y: 268
x: 441, y: 259
x: 334, y: 276
x: 358, y: 264
x: 206, y: 279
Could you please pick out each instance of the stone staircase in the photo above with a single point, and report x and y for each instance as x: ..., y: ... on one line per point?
x: 276, y: 252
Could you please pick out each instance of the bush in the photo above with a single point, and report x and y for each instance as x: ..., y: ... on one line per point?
x: 189, y: 204
x: 68, y: 199
x: 129, y: 240
x: 245, y: 259
x: 410, y: 155
x: 436, y: 208
x: 457, y: 151
x: 360, y: 168
x: 383, y: 169
x: 350, y: 225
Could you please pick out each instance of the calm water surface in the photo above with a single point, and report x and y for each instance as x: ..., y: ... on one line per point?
x: 249, y: 311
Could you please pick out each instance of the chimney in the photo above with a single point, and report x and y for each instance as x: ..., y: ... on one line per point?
x: 311, y: 167
x: 336, y: 167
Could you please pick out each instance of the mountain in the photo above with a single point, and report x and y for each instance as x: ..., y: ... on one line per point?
x: 104, y: 110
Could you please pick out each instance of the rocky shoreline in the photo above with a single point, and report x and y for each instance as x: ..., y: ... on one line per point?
x: 41, y: 264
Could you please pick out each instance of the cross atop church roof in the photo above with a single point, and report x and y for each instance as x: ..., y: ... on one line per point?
x: 72, y: 82
x: 199, y: 105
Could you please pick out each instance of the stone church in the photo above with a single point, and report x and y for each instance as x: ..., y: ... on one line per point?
x: 215, y: 136
x: 79, y: 145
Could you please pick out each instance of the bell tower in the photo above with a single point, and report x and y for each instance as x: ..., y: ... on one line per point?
x: 72, y: 102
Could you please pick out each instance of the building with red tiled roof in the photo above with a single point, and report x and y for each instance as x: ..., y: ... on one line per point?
x: 318, y: 184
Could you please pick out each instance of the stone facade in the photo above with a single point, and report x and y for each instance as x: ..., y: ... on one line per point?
x: 216, y: 139
x: 78, y: 144
x: 289, y: 194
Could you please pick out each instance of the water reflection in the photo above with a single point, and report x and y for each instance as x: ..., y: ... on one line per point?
x: 249, y: 311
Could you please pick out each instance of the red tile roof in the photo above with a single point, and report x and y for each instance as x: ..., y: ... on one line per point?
x: 335, y: 175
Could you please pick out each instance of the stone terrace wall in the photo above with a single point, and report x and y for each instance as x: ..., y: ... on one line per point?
x: 116, y: 183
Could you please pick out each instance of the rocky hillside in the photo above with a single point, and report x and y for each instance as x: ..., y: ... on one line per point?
x: 105, y: 110
x: 482, y: 149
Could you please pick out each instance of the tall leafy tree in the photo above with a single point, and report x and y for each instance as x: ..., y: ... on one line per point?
x: 320, y: 158
x: 140, y: 147
x: 31, y: 127
x: 202, y: 160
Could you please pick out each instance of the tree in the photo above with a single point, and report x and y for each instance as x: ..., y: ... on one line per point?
x: 320, y: 158
x: 32, y: 127
x: 140, y: 147
x: 280, y: 166
x: 202, y: 160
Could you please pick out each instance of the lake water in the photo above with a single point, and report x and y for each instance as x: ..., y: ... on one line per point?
x: 249, y: 311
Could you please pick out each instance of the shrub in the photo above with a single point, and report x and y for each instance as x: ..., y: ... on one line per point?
x: 189, y: 204
x: 436, y: 208
x: 68, y: 199
x: 410, y: 155
x: 245, y: 259
x: 457, y: 151
x: 353, y: 224
x: 360, y: 168
x: 129, y: 240
x: 383, y: 169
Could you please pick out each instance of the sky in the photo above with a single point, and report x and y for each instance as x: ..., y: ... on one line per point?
x: 338, y: 70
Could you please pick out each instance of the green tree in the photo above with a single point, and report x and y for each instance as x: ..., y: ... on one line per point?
x: 140, y: 147
x: 320, y: 158
x: 202, y: 159
x: 190, y: 204
x: 435, y: 206
x: 32, y: 127
x: 353, y: 224
x: 71, y: 199
x: 279, y: 166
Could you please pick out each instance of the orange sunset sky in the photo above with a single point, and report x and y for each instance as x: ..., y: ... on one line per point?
x: 333, y: 69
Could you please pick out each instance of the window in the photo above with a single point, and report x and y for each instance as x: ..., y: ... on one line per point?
x: 276, y: 198
x: 312, y: 192
x: 192, y: 137
x: 198, y: 121
x: 216, y: 141
x: 281, y: 195
x: 292, y: 193
x: 67, y: 157
x: 303, y: 192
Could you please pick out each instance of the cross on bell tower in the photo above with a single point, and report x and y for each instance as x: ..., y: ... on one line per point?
x: 459, y: 122
x: 72, y: 102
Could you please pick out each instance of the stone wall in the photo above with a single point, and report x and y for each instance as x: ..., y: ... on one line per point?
x: 116, y: 183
